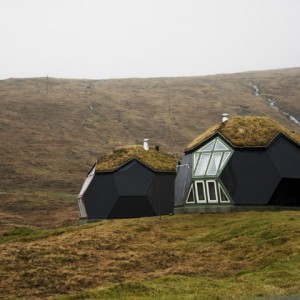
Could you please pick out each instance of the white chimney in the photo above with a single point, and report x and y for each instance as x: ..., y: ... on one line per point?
x: 225, y: 117
x: 146, y: 144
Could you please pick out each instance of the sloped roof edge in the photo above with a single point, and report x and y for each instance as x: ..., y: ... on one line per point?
x: 128, y: 162
x: 245, y: 132
x: 157, y: 161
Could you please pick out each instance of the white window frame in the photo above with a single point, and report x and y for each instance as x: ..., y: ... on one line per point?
x: 204, y: 190
x: 221, y: 189
x: 216, y: 192
x: 200, y: 159
x: 191, y: 190
x: 212, y: 160
x: 196, y: 160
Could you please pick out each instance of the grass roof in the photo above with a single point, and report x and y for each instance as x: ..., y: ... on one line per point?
x: 246, y: 131
x: 156, y: 160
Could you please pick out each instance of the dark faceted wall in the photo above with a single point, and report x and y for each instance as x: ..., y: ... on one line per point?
x: 287, y: 193
x: 134, y: 190
x: 161, y: 193
x: 286, y: 157
x: 255, y: 176
x: 250, y: 177
x: 100, y: 196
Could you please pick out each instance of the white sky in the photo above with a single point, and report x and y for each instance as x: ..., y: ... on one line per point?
x: 99, y: 39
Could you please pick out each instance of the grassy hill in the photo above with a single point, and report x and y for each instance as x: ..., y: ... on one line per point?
x: 53, y: 130
x: 211, y: 256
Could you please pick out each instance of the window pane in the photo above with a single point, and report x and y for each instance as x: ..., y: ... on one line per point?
x: 211, y: 186
x: 223, y: 197
x: 82, y: 211
x: 225, y: 158
x: 202, y: 164
x: 208, y: 147
x: 196, y: 157
x: 214, y: 163
x: 220, y: 146
x: 200, y: 191
x: 191, y: 198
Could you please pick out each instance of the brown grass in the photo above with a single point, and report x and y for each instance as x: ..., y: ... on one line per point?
x: 156, y: 160
x: 246, y: 131
x: 50, y: 141
x: 237, y: 247
x: 36, y: 208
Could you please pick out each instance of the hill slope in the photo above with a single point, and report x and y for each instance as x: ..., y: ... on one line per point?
x: 53, y: 130
x: 212, y: 256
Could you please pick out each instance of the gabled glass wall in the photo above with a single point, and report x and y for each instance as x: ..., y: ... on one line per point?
x: 208, y: 163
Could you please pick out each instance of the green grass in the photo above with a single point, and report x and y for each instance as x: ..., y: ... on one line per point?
x: 271, y: 281
x: 27, y: 234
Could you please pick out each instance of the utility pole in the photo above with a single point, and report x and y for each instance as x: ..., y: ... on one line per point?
x: 168, y: 97
x: 47, y: 86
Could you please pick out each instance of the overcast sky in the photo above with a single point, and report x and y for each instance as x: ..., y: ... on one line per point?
x: 99, y: 39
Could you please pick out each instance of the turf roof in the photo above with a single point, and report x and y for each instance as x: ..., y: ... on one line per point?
x: 156, y: 160
x: 246, y: 131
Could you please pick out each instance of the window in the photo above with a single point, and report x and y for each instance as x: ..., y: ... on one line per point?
x: 220, y: 146
x: 208, y: 147
x: 191, y: 196
x: 202, y: 164
x: 207, y: 191
x: 223, y: 196
x: 196, y: 157
x: 214, y: 163
x: 211, y: 191
x: 200, y: 191
x: 81, y: 207
x: 224, y: 159
x: 208, y: 163
x: 211, y: 158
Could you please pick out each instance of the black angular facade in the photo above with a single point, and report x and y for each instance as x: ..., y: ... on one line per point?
x: 132, y: 190
x: 267, y: 176
x: 252, y: 176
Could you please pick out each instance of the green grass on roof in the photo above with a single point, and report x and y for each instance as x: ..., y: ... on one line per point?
x: 246, y: 131
x: 156, y: 160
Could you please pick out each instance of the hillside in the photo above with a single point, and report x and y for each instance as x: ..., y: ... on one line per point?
x: 213, y: 256
x: 53, y: 130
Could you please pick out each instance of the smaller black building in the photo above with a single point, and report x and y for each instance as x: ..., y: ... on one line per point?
x: 128, y: 183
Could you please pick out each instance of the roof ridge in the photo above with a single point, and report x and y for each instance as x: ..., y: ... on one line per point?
x: 245, y: 131
x: 159, y: 161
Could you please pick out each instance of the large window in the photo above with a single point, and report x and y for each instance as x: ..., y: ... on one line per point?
x: 211, y: 158
x: 207, y: 192
x: 208, y: 163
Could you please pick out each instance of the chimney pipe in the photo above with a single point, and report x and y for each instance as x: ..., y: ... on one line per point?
x: 146, y: 144
x: 225, y: 117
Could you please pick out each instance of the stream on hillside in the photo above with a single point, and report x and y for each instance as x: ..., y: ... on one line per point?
x: 273, y: 103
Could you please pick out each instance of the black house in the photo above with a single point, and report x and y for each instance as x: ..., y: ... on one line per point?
x: 128, y: 183
x: 241, y: 161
